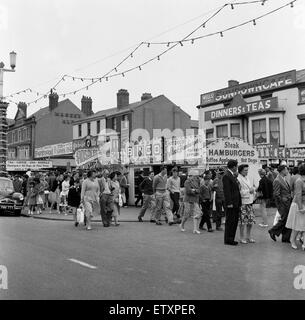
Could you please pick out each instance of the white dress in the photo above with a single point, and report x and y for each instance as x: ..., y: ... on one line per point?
x: 296, y: 220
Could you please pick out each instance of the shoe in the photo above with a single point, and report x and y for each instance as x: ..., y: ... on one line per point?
x: 140, y: 219
x: 233, y: 243
x: 210, y: 230
x: 272, y: 236
x: 158, y: 223
x: 251, y: 240
x: 116, y: 224
x: 219, y: 229
x: 303, y: 247
x: 202, y: 228
x: 76, y: 224
x: 106, y: 225
x: 88, y: 228
x: 294, y: 246
x: 196, y: 232
x: 170, y: 223
x: 182, y: 229
x: 263, y: 225
x: 152, y: 220
x: 243, y: 241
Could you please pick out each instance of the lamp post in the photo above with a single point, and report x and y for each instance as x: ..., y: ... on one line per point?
x: 3, y: 108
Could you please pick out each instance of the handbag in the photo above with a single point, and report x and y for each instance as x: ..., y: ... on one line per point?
x: 120, y: 200
x: 80, y: 215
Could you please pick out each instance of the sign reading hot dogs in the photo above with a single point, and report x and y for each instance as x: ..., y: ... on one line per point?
x: 240, y: 107
x: 250, y: 88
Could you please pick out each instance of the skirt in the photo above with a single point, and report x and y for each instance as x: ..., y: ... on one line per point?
x: 247, y: 214
x: 190, y: 210
x: 295, y: 220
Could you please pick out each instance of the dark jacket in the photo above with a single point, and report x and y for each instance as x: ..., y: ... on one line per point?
x: 231, y: 190
x: 205, y: 192
x: 74, y: 196
x: 281, y: 193
x: 146, y: 186
x: 265, y: 187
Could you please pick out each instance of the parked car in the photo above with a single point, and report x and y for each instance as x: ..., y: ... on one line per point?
x: 11, y: 202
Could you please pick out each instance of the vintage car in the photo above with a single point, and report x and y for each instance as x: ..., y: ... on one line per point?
x: 11, y: 202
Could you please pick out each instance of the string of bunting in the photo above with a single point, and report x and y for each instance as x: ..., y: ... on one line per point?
x: 170, y: 45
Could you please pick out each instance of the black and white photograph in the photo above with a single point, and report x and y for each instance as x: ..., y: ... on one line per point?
x: 152, y: 151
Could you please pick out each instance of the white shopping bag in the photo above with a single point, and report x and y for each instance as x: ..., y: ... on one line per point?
x: 80, y: 215
x: 277, y: 217
x: 214, y: 202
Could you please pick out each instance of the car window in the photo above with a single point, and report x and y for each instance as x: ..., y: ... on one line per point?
x: 6, y: 186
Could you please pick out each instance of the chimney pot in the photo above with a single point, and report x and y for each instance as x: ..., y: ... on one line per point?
x: 53, y: 100
x: 232, y: 83
x: 146, y: 96
x: 22, y: 106
x: 86, y: 103
x: 122, y: 98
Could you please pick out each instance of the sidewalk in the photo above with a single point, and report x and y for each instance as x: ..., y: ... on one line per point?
x: 129, y: 214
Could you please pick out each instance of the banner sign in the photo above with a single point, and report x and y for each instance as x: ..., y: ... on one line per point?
x: 19, y: 165
x: 54, y: 150
x: 83, y: 156
x: 221, y: 151
x: 240, y: 107
x: 87, y: 142
x: 277, y: 81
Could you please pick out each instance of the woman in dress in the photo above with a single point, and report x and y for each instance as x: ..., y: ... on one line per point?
x: 296, y: 216
x: 116, y: 193
x: 247, y: 217
x: 190, y: 207
x: 90, y: 196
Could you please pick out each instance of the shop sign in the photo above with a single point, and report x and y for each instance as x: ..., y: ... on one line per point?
x: 221, y: 151
x: 19, y: 165
x: 88, y: 142
x: 277, y: 81
x: 54, y: 150
x: 83, y: 156
x: 240, y: 107
x: 296, y: 153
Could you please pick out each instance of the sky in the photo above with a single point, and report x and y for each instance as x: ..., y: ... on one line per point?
x: 87, y: 38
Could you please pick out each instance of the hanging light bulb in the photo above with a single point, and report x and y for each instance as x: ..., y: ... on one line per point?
x: 115, y: 69
x: 203, y: 26
x: 159, y: 58
x: 131, y: 55
x: 106, y: 78
x: 263, y: 2
x: 87, y: 87
x: 181, y: 43
x: 232, y: 6
x: 123, y: 74
x: 254, y: 22
x: 73, y: 78
x: 74, y: 92
x: 168, y: 44
x: 221, y: 34
x: 140, y: 68
x: 82, y: 79
x: 193, y: 41
x: 100, y: 79
x: 291, y: 4
x: 148, y: 45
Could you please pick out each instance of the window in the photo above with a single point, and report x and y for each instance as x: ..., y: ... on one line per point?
x: 222, y: 131
x: 302, y: 95
x: 9, y: 137
x: 302, y: 122
x: 209, y: 136
x: 266, y: 96
x: 29, y: 133
x: 19, y: 135
x: 235, y: 130
x: 259, y: 131
x: 11, y: 154
x: 79, y: 130
x: 88, y: 128
x: 98, y: 126
x: 274, y: 127
x: 23, y: 152
x: 114, y: 124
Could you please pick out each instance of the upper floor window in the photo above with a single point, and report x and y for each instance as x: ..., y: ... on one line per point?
x: 79, y: 130
x: 114, y: 124
x: 98, y: 126
x: 274, y: 127
x: 259, y: 131
x: 302, y: 125
x: 235, y: 130
x: 302, y: 95
x: 222, y: 131
x: 88, y: 128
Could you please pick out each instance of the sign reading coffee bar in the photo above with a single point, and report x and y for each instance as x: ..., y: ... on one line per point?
x: 240, y: 107
x: 249, y: 88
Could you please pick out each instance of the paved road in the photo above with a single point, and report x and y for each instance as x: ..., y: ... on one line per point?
x: 140, y: 261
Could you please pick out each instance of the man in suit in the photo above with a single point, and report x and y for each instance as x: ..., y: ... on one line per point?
x: 282, y: 197
x: 232, y: 201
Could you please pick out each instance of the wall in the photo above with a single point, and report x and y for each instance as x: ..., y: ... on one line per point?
x: 51, y: 130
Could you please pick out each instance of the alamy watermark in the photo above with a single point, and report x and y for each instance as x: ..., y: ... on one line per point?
x: 299, y: 280
x: 3, y: 277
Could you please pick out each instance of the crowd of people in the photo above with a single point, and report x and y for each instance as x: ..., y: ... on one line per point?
x: 211, y: 197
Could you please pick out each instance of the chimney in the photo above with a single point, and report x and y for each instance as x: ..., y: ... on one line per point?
x: 232, y: 83
x: 122, y: 98
x: 146, y: 96
x: 22, y: 107
x: 53, y: 100
x: 87, y: 106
